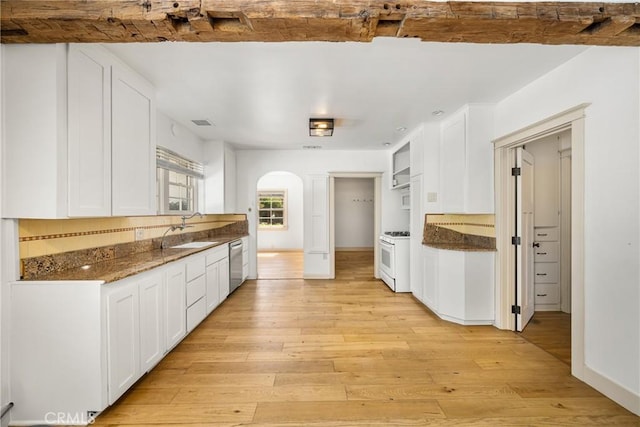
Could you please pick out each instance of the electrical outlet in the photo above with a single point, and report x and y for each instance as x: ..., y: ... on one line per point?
x: 139, y: 234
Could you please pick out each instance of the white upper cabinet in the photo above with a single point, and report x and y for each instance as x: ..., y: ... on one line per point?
x: 89, y: 132
x: 34, y: 122
x: 133, y: 144
x: 79, y: 134
x: 466, y: 161
x: 416, y: 161
x: 401, y: 166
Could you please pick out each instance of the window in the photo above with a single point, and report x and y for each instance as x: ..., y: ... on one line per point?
x: 179, y: 180
x: 272, y: 209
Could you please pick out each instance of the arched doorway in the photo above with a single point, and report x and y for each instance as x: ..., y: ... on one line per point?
x: 279, y: 220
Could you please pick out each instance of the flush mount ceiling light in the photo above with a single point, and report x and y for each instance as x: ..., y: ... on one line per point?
x: 437, y: 112
x: 320, y: 127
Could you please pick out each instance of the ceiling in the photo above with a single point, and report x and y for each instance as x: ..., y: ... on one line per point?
x: 261, y: 95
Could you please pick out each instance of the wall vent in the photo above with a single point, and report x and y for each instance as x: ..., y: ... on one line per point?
x: 202, y: 122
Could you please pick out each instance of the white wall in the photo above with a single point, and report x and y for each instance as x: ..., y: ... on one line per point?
x: 609, y: 79
x: 291, y: 238
x: 175, y: 137
x: 252, y: 164
x: 354, y: 212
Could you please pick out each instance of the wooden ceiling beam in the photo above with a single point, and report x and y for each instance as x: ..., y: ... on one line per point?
x: 589, y: 23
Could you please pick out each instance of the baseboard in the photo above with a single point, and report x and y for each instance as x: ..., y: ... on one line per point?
x: 614, y: 391
x: 316, y: 276
x: 280, y: 250
x: 355, y: 249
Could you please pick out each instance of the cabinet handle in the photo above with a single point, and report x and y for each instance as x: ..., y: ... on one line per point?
x: 542, y: 234
x: 541, y: 253
x: 541, y: 295
x: 541, y: 274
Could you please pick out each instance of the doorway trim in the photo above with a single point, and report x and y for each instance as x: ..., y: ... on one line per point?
x: 572, y: 119
x: 377, y: 177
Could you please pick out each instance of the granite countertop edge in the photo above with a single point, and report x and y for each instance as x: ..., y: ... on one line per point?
x: 459, y: 247
x: 120, y: 268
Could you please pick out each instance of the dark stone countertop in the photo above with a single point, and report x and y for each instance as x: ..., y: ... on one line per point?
x: 465, y: 247
x: 119, y: 268
x: 444, y: 238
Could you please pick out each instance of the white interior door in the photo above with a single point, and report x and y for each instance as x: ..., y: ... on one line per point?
x: 525, y: 297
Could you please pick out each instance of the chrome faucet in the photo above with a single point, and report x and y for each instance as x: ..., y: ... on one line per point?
x: 184, y: 218
x: 182, y: 226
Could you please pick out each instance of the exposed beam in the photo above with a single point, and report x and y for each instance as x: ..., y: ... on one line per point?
x: 38, y: 21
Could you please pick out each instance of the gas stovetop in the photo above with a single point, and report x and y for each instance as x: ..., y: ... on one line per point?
x: 397, y: 233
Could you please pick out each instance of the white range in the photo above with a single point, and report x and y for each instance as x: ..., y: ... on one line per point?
x: 394, y: 260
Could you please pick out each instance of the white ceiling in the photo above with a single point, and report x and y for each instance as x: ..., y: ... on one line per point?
x: 261, y: 95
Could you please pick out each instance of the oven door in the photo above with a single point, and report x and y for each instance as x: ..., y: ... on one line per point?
x: 387, y: 263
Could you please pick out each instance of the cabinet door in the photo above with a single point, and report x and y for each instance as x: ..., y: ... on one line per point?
x: 151, y: 321
x: 175, y: 303
x: 453, y: 166
x: 133, y: 145
x: 213, y: 286
x: 89, y: 132
x: 223, y: 272
x: 416, y: 227
x: 123, y: 334
x: 430, y: 290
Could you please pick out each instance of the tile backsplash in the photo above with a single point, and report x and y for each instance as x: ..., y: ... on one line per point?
x: 38, y: 237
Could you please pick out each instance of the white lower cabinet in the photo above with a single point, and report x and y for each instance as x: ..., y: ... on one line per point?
x: 458, y: 285
x: 77, y: 346
x: 123, y: 333
x: 152, y: 337
x: 546, y: 269
x: 196, y: 289
x: 217, y: 277
x: 245, y: 258
x: 175, y: 304
x: 58, y: 350
x: 430, y: 289
x: 135, y: 329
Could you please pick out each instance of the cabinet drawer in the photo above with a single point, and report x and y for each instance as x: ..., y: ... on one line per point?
x: 547, y: 293
x: 545, y: 234
x: 196, y: 290
x: 195, y: 267
x: 196, y: 313
x: 217, y: 254
x: 546, y: 252
x: 545, y: 272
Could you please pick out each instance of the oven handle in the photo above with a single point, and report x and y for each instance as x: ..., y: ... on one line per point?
x: 387, y: 244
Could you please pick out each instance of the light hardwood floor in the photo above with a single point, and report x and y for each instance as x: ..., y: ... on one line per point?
x: 350, y: 352
x: 551, y: 331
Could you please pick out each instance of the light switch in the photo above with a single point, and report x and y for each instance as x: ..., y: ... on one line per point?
x: 432, y: 197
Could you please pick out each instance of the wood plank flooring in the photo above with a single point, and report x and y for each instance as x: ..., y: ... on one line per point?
x: 551, y: 331
x: 280, y: 265
x: 349, y: 352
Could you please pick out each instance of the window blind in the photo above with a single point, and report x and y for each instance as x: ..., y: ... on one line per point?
x: 172, y: 161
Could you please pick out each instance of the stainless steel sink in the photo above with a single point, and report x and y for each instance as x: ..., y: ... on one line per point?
x: 194, y: 245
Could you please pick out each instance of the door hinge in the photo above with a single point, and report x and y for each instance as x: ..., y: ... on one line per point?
x: 515, y: 309
x: 515, y: 171
x: 515, y: 240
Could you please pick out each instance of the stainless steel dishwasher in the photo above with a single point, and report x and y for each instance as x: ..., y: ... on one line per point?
x: 235, y: 265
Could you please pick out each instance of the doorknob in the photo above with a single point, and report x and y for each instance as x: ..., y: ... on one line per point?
x: 536, y: 244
